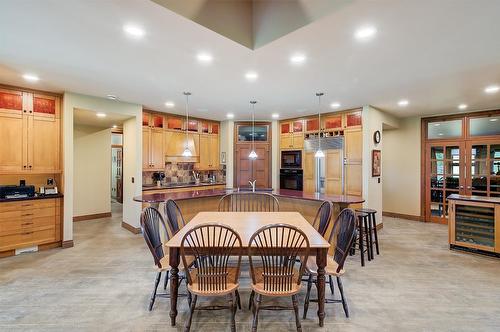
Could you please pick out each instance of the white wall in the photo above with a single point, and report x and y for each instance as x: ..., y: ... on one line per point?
x: 373, y: 120
x: 132, y: 169
x: 91, y: 179
x: 227, y: 146
x: 401, y: 168
x: 72, y: 101
x: 275, y: 156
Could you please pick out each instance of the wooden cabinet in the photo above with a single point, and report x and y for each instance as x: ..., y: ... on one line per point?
x: 292, y: 136
x: 309, y: 183
x: 153, y: 120
x: 333, y: 122
x: 175, y: 143
x: 30, y: 124
x: 153, y: 157
x: 333, y: 172
x: 28, y: 223
x: 209, y: 153
x: 175, y: 123
x: 312, y: 124
x: 353, y: 140
x: 353, y: 119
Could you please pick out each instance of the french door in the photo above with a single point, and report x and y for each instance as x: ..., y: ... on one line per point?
x: 483, y: 167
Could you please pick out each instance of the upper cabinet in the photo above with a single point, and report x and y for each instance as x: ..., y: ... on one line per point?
x: 292, y: 134
x: 312, y: 124
x: 353, y: 119
x: 30, y: 123
x: 175, y: 123
x: 153, y: 120
x: 333, y: 122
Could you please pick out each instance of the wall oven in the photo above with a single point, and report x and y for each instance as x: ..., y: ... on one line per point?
x: 291, y: 179
x: 291, y: 159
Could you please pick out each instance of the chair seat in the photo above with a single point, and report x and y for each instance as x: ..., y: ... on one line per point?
x: 330, y: 269
x: 230, y: 287
x: 165, y: 263
x: 258, y: 287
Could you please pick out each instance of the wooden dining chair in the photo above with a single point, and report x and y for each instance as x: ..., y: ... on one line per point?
x: 323, y: 217
x: 174, y: 216
x: 341, y: 239
x: 152, y: 225
x: 249, y: 202
x: 278, y: 246
x: 212, y: 244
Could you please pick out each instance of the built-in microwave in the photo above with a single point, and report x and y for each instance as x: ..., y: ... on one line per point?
x: 291, y: 159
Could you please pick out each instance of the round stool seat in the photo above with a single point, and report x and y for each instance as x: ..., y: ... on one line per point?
x: 366, y: 210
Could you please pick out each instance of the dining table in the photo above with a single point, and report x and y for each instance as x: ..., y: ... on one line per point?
x: 246, y: 224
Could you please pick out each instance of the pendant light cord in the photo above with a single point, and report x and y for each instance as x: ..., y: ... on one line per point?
x: 319, y: 94
x: 187, y: 94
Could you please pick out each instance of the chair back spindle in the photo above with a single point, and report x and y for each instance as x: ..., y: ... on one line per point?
x: 249, y: 202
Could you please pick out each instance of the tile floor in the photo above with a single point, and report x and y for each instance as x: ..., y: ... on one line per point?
x: 104, y: 282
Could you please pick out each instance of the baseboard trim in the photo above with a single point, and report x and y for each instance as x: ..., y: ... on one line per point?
x: 7, y: 253
x: 130, y: 228
x: 402, y: 216
x: 380, y: 226
x: 92, y: 216
x: 49, y: 246
x: 67, y: 244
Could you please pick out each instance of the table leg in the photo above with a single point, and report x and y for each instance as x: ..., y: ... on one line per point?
x: 321, y: 257
x: 174, y: 282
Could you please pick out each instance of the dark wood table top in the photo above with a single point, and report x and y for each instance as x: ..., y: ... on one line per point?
x: 178, y: 196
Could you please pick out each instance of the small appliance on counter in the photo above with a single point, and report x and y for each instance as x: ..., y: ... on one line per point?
x: 13, y: 191
x: 158, y: 178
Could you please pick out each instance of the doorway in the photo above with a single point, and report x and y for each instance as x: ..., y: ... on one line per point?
x: 245, y: 168
x: 117, y: 167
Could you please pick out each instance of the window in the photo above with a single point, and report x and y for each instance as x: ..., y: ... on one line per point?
x: 245, y: 133
x: 444, y: 129
x: 484, y: 126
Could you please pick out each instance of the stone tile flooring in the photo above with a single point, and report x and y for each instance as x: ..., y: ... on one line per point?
x: 104, y: 282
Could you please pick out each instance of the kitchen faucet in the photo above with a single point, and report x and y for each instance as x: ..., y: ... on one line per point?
x: 252, y: 184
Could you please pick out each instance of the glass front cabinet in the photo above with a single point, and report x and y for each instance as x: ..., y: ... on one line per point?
x: 475, y: 224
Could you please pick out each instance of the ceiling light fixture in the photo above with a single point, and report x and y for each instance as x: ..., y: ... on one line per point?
x: 297, y: 59
x: 111, y: 97
x: 134, y: 31
x: 101, y: 115
x: 275, y: 115
x: 462, y: 106
x: 114, y: 126
x: 492, y: 89
x: 253, y: 154
x: 335, y: 105
x: 251, y: 76
x: 403, y: 102
x: 494, y: 119
x: 230, y: 115
x: 187, y: 152
x: 169, y: 104
x: 365, y: 33
x: 31, y: 77
x: 319, y: 153
x: 204, y: 57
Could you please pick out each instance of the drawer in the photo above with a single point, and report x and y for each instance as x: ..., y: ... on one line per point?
x: 27, y: 239
x: 21, y: 226
x: 27, y: 205
x: 24, y: 214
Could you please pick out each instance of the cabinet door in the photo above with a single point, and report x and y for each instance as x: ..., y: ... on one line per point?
x: 145, y: 119
x: 309, y: 185
x: 194, y: 144
x: 146, y: 152
x: 353, y: 119
x: 353, y: 180
x: 286, y: 141
x: 157, y: 150
x: 333, y: 122
x: 312, y: 124
x: 204, y: 127
x: 214, y: 152
x: 204, y: 152
x: 353, y: 145
x: 175, y: 143
x: 298, y: 141
x: 44, y: 106
x: 174, y: 123
x: 11, y: 102
x: 285, y: 128
x: 215, y: 128
x: 157, y: 121
x: 43, y: 143
x: 298, y: 126
x: 12, y: 136
x: 333, y: 172
x: 192, y: 125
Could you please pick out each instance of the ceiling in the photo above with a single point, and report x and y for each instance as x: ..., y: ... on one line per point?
x: 89, y: 118
x: 436, y: 54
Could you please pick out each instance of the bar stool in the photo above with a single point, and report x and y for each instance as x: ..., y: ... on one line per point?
x: 372, y: 225
x: 362, y: 239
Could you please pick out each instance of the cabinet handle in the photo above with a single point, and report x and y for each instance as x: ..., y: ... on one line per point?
x: 27, y: 223
x: 27, y: 233
x: 30, y: 166
x: 27, y: 214
x: 24, y: 166
x: 31, y: 111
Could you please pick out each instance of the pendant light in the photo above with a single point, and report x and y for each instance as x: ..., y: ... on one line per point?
x: 319, y: 153
x: 253, y: 154
x: 187, y: 152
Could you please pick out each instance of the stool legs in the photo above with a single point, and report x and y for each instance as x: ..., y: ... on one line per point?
x: 375, y: 234
x: 361, y: 249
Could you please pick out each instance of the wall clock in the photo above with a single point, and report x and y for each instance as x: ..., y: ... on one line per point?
x: 376, y: 137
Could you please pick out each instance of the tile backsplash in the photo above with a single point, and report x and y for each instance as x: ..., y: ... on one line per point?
x: 183, y: 172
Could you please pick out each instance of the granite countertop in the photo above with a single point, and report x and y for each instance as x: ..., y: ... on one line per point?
x: 162, y: 197
x: 30, y: 198
x: 494, y: 200
x: 181, y: 185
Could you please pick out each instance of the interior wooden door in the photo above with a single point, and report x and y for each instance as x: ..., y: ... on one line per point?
x: 248, y: 169
x: 444, y: 175
x: 483, y: 168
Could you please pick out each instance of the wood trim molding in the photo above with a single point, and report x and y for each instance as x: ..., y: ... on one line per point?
x: 68, y: 244
x: 402, y: 216
x: 130, y: 228
x: 29, y: 90
x: 92, y: 216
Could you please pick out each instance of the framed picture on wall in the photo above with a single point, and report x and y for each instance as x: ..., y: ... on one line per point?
x: 376, y: 163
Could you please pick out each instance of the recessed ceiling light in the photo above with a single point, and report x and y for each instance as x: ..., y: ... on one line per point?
x: 101, y: 115
x: 31, y: 77
x: 440, y: 134
x: 230, y: 115
x: 251, y: 76
x: 403, y: 102
x: 134, y: 31
x: 462, y: 106
x: 275, y: 115
x: 169, y: 104
x: 298, y: 59
x: 112, y: 97
x: 494, y: 119
x: 365, y: 33
x: 335, y: 105
x: 114, y: 126
x: 204, y: 57
x: 437, y: 124
x: 492, y: 89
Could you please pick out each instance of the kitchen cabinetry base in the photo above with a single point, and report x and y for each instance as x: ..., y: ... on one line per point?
x: 474, y: 251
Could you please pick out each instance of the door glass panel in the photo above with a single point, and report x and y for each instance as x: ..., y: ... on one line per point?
x: 437, y: 152
x: 436, y: 210
x: 452, y: 182
x: 437, y: 181
x: 453, y: 152
x: 478, y: 168
x: 245, y: 133
x: 495, y: 150
x: 437, y: 167
x: 479, y: 152
x: 485, y: 126
x: 495, y: 184
x: 437, y: 196
x: 444, y: 129
x: 495, y: 167
x: 480, y: 183
x: 453, y: 168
